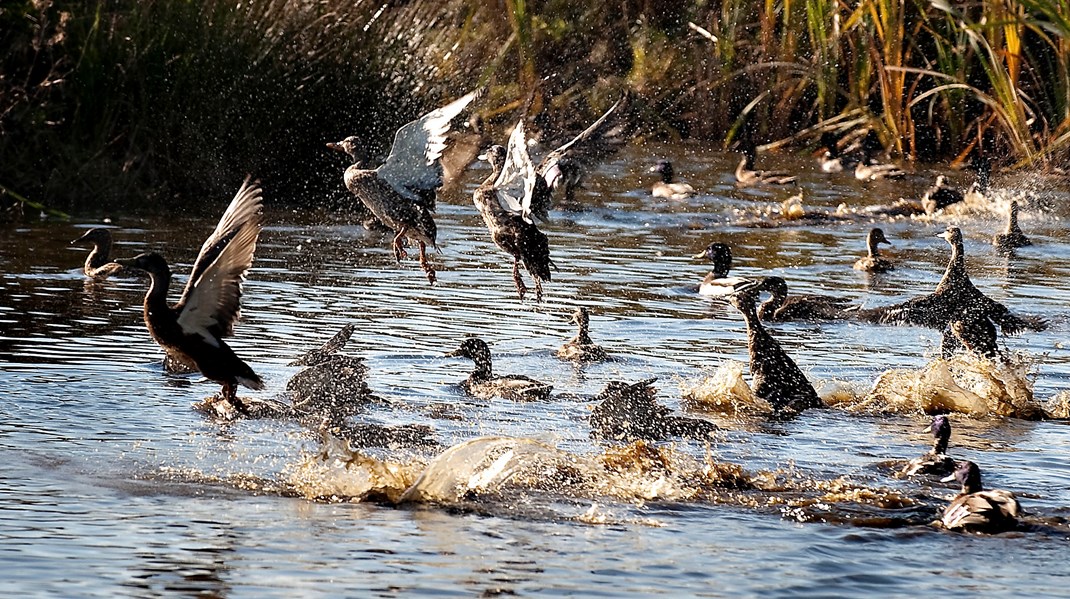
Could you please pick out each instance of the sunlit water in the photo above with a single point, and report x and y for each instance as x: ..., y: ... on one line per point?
x: 111, y: 484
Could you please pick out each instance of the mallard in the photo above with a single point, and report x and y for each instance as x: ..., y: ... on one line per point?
x: 775, y: 376
x: 868, y: 168
x: 746, y: 175
x: 874, y: 262
x: 581, y: 348
x: 1006, y: 242
x: 629, y: 411
x: 331, y: 383
x: 717, y: 282
x: 401, y: 192
x: 941, y: 195
x: 936, y: 461
x: 977, y: 510
x: 567, y: 166
x: 834, y: 160
x: 780, y: 307
x: 483, y: 384
x: 504, y: 201
x: 667, y: 188
x: 98, y: 264
x: 953, y: 296
x: 192, y: 330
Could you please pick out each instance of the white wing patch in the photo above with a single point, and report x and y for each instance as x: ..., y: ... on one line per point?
x: 516, y: 183
x: 413, y: 161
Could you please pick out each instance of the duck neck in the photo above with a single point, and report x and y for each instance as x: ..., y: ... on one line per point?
x: 156, y: 298
x: 486, y: 196
x: 770, y: 306
x: 940, y: 445
x: 972, y: 484
x: 483, y: 370
x: 666, y: 176
x: 874, y: 251
x: 583, y: 336
x: 956, y: 269
x: 100, y: 255
x: 1012, y: 222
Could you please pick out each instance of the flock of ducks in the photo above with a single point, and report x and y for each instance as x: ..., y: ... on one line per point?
x: 401, y: 194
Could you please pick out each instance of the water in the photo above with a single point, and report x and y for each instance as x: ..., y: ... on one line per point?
x: 112, y: 485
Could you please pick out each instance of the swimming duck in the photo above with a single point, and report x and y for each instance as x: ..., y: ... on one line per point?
x: 717, y: 282
x: 332, y: 384
x: 977, y: 510
x: 868, y: 168
x: 781, y: 307
x: 1006, y: 242
x: 936, y: 461
x: 98, y: 264
x: 775, y: 376
x: 192, y: 330
x: 941, y: 195
x: 874, y: 262
x: 834, y: 160
x: 504, y: 201
x: 581, y: 348
x: 626, y: 412
x: 667, y: 188
x: 746, y: 175
x: 483, y: 384
x: 401, y: 192
x: 954, y: 295
x: 568, y: 165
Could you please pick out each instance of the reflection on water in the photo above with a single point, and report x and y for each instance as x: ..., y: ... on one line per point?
x: 113, y: 484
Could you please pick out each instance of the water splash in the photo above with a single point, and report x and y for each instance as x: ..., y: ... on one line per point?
x: 725, y: 392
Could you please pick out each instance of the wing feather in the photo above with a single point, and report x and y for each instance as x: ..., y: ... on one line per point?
x: 413, y: 163
x: 516, y: 183
x: 602, y: 139
x: 210, y: 303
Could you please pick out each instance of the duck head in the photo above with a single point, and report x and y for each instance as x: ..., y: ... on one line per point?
x: 876, y: 235
x: 663, y: 168
x: 348, y: 145
x: 968, y: 475
x: 719, y: 254
x: 151, y: 263
x: 952, y: 235
x: 581, y: 318
x: 96, y: 236
x: 472, y: 348
x: 941, y: 430
x: 495, y: 155
x: 776, y: 286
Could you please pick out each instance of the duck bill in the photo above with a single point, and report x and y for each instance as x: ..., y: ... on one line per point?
x: 457, y: 353
x: 80, y: 239
x: 126, y: 262
x: 948, y: 479
x: 699, y: 256
x: 336, y: 146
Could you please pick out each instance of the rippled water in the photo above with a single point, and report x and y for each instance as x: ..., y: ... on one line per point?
x: 111, y: 484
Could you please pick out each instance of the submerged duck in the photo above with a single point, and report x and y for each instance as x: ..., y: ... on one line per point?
x: 483, y: 384
x: 952, y: 297
x: 581, y: 348
x: 775, y: 376
x: 332, y: 383
x: 834, y: 160
x: 781, y: 307
x: 627, y: 412
x: 746, y: 175
x: 941, y: 195
x: 936, y: 461
x: 717, y: 283
x: 401, y: 192
x: 568, y: 165
x: 98, y: 264
x: 504, y: 201
x: 1006, y: 242
x: 192, y: 330
x: 977, y: 510
x: 667, y: 188
x: 874, y: 262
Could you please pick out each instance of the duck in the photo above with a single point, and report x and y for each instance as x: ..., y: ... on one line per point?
x: 775, y: 376
x: 504, y: 202
x: 781, y: 307
x: 401, y: 192
x: 717, y: 283
x: 98, y: 265
x: 971, y: 330
x: 868, y: 168
x: 331, y: 383
x: 935, y: 462
x: 630, y: 411
x: 667, y: 188
x: 953, y: 295
x: 192, y: 330
x: 834, y: 160
x: 941, y: 195
x: 581, y: 348
x: 747, y: 176
x: 483, y: 384
x: 567, y: 166
x: 977, y: 510
x: 874, y: 262
x: 1006, y: 242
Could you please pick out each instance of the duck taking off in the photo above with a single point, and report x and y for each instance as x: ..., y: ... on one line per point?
x: 401, y: 192
x: 192, y: 330
x: 98, y: 264
x: 504, y: 201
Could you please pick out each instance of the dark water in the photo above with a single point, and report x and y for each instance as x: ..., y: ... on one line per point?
x: 112, y: 485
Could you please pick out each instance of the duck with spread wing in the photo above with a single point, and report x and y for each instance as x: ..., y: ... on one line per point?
x: 401, y: 192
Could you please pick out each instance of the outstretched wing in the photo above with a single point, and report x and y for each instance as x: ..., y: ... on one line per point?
x: 516, y: 182
x: 602, y: 139
x: 413, y: 163
x: 210, y: 303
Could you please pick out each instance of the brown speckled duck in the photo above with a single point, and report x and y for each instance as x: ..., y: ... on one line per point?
x: 781, y: 307
x: 331, y: 384
x: 504, y: 201
x: 482, y: 383
x: 626, y: 412
x: 401, y: 192
x: 1007, y: 241
x: 874, y: 262
x: 98, y: 264
x: 193, y: 329
x: 581, y: 348
x: 977, y: 510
